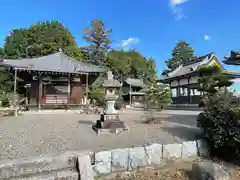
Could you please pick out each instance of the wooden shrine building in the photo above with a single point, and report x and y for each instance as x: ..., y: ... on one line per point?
x: 131, y: 92
x: 53, y: 80
x: 183, y: 80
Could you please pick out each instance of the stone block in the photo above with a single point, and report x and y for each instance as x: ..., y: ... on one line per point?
x: 172, y: 151
x: 102, y: 163
x: 137, y: 157
x: 202, y: 148
x: 120, y: 159
x: 85, y: 168
x: 154, y: 153
x: 189, y: 148
x: 24, y: 167
x: 208, y: 170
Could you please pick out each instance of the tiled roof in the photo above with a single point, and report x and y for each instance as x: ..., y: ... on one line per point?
x: 57, y: 62
x: 135, y: 82
x: 111, y: 83
x: 191, y: 65
x: 234, y: 58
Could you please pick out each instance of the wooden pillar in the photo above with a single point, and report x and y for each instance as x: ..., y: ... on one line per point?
x: 87, y: 88
x: 39, y: 91
x: 69, y: 87
x: 189, y: 91
x: 15, y: 92
x: 130, y: 95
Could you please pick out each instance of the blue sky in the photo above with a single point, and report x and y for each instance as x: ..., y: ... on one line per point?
x: 153, y: 27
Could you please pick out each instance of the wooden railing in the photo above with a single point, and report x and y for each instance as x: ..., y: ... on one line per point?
x: 56, y: 99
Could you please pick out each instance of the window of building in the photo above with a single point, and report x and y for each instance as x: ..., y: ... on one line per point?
x: 174, y: 92
x: 196, y: 92
x: 184, y: 92
x: 192, y: 92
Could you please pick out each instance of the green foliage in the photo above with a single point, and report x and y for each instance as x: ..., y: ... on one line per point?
x: 158, y: 95
x: 212, y: 79
x: 99, y: 42
x: 6, y: 82
x: 181, y: 53
x: 150, y: 72
x: 2, y: 54
x: 40, y: 39
x: 220, y: 124
x: 119, y: 103
x: 119, y: 63
x: 5, y: 101
x: 131, y: 64
x: 97, y: 95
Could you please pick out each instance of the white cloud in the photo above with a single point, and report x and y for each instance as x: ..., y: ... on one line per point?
x: 176, y: 8
x: 207, y: 37
x: 129, y: 41
x: 177, y: 2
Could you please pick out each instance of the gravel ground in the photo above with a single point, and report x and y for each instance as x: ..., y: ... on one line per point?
x: 35, y: 134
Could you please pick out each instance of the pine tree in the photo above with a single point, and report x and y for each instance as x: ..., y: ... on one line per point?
x: 180, y: 54
x: 99, y: 42
x: 212, y: 79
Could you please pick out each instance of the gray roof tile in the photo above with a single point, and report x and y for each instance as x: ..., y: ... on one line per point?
x: 135, y: 82
x: 191, y: 66
x: 57, y: 62
x: 111, y: 83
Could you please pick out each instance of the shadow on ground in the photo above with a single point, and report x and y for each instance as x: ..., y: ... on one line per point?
x: 85, y: 122
x: 189, y: 120
x: 185, y: 133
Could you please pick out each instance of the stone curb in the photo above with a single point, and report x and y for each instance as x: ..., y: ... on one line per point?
x: 128, y: 159
x: 88, y: 165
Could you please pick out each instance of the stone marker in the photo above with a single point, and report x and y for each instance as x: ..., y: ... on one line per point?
x: 209, y: 171
x: 137, y: 157
x: 120, y: 159
x: 85, y: 168
x: 172, y: 151
x: 154, y: 152
x: 102, y: 163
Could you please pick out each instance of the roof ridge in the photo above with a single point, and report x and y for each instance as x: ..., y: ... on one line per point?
x: 197, y: 59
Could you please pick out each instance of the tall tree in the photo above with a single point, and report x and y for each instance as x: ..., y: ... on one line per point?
x: 120, y: 64
x: 138, y: 65
x: 99, y: 42
x: 1, y: 52
x: 16, y: 43
x: 40, y: 39
x: 181, y: 53
x: 150, y: 74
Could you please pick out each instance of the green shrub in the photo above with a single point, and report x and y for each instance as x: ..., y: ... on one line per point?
x: 5, y: 102
x: 97, y: 95
x: 118, y: 104
x: 220, y: 125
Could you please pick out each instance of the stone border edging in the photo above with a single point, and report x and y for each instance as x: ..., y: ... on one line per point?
x: 128, y: 159
x: 87, y: 165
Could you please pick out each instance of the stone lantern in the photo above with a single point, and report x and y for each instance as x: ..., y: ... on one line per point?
x: 109, y: 121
